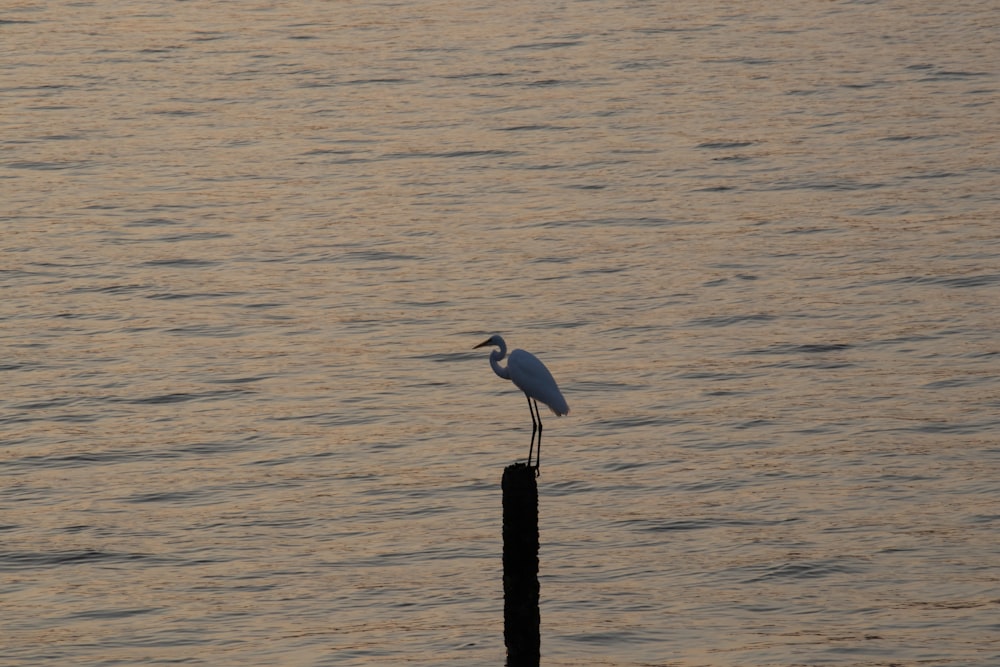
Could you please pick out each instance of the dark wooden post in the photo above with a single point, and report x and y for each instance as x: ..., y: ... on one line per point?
x: 521, y: 618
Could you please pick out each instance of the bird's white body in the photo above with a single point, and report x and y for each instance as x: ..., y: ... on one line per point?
x: 530, y: 375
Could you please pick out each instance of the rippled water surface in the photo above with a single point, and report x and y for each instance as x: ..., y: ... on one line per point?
x: 247, y: 248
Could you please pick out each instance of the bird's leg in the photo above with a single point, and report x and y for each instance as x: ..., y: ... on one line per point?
x: 538, y: 456
x: 534, y: 428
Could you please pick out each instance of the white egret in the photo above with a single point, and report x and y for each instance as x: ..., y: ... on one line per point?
x: 531, y: 376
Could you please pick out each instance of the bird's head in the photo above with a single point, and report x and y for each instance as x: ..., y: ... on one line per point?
x: 495, y: 339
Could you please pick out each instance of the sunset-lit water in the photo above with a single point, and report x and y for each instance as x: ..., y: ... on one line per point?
x: 247, y: 249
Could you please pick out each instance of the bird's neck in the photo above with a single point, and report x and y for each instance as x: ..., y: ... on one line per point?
x: 495, y: 357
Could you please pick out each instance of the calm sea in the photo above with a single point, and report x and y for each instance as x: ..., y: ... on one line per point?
x: 246, y: 249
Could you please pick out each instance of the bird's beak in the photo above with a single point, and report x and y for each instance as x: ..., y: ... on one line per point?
x: 484, y: 343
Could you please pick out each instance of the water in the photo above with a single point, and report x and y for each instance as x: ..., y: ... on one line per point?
x: 248, y: 247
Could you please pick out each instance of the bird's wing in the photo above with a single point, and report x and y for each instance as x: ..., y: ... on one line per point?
x: 534, y: 379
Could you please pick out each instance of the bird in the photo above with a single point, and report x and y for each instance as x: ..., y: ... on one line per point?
x: 530, y: 375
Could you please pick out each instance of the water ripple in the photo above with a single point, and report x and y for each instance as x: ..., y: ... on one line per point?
x: 25, y: 560
x: 816, y: 569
